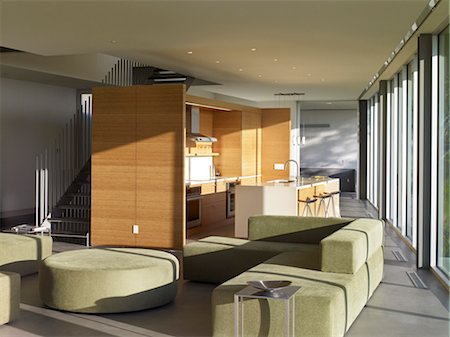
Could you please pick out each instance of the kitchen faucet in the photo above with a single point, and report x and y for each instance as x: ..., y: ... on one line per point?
x: 298, y: 167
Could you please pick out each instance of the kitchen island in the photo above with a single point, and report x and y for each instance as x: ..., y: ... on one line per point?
x: 283, y: 197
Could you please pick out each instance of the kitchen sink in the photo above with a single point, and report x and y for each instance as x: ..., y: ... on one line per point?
x: 280, y: 181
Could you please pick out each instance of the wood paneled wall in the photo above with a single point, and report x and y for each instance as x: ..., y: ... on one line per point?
x: 138, y: 166
x: 276, y: 128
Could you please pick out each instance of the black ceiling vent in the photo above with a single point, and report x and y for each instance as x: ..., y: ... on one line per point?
x: 151, y: 75
x: 9, y: 50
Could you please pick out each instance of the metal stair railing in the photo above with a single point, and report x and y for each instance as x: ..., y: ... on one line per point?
x: 60, y: 163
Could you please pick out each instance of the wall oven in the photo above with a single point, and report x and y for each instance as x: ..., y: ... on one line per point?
x: 231, y: 198
x: 193, y: 206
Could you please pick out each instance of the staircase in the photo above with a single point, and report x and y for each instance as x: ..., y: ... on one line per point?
x: 70, y: 217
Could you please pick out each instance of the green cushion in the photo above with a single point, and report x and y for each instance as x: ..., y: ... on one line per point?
x: 23, y: 253
x: 293, y: 228
x: 9, y: 297
x: 107, y: 280
x: 217, y: 259
x: 326, y: 306
x: 346, y: 250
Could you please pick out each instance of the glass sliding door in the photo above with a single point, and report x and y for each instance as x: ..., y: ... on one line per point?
x: 443, y: 156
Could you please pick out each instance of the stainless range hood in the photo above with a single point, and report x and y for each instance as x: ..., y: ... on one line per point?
x: 195, y: 134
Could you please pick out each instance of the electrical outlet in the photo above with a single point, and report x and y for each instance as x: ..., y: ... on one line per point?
x: 278, y: 167
x: 135, y: 229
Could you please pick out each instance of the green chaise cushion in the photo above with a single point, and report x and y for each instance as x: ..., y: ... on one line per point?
x: 108, y: 280
x: 346, y: 250
x: 216, y: 259
x: 9, y: 297
x: 23, y: 253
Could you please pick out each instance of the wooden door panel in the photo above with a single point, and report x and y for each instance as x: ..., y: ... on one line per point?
x: 160, y: 189
x: 113, y: 174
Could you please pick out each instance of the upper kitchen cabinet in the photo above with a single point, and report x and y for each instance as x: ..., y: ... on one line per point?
x: 238, y: 132
x: 138, y: 166
x: 238, y: 136
x: 276, y: 135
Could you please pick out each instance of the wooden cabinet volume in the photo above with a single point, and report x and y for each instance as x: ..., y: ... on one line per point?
x: 138, y: 166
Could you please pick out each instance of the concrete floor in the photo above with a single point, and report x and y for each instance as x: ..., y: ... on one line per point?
x: 397, y: 307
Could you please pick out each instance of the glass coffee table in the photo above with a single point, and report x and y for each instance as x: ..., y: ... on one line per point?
x: 285, y: 294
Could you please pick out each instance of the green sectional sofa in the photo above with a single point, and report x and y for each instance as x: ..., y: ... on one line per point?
x: 338, y: 262
x: 23, y: 253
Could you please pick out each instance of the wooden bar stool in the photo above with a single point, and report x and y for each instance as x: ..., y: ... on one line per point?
x: 307, y: 209
x: 324, y: 203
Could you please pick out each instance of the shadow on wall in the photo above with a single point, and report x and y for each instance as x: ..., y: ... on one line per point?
x: 330, y: 148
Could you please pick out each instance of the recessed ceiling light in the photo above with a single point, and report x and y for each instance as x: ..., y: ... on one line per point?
x: 113, y: 41
x: 329, y: 103
x: 309, y: 75
x: 253, y: 49
x: 276, y: 81
x: 217, y: 61
x: 275, y: 60
x: 190, y: 52
x: 259, y: 75
x: 293, y: 68
x: 240, y: 69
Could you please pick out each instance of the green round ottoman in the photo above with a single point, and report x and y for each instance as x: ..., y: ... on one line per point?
x: 108, y: 280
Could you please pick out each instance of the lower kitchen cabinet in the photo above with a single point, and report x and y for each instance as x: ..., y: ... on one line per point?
x: 214, y: 212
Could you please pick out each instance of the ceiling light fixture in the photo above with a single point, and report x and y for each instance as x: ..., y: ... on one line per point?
x: 290, y: 94
x: 309, y: 75
x: 259, y: 75
x: 113, y: 41
x: 253, y: 49
x: 190, y: 52
x: 240, y: 69
x: 293, y: 68
x: 217, y: 61
x: 275, y: 60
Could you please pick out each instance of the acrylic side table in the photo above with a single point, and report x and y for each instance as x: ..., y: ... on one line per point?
x: 285, y: 294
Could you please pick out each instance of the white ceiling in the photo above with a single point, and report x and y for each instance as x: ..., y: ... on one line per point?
x: 327, y: 49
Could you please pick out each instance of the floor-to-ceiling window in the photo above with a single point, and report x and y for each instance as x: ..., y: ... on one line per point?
x: 443, y: 156
x: 372, y: 150
x: 403, y: 142
x: 401, y: 150
x: 411, y: 147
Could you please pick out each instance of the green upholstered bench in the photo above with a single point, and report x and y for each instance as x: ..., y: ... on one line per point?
x: 108, y: 280
x: 9, y: 296
x: 23, y: 253
x: 330, y: 299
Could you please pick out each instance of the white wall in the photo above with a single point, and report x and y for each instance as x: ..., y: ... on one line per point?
x: 332, y: 147
x: 31, y: 115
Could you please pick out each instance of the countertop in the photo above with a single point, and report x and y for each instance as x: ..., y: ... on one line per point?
x: 303, y: 182
x: 217, y: 179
